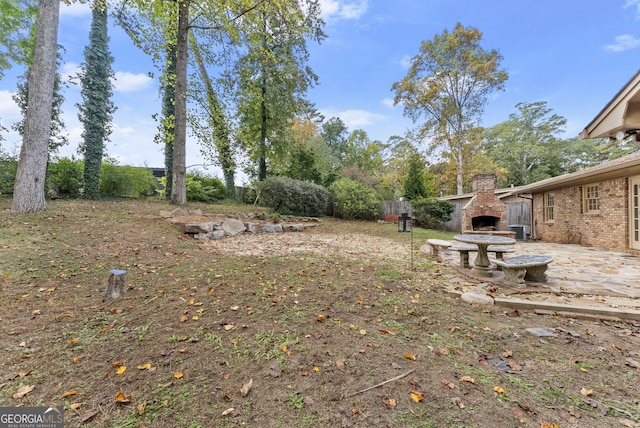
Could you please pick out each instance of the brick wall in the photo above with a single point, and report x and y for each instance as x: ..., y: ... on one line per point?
x: 607, y: 229
x: 484, y: 203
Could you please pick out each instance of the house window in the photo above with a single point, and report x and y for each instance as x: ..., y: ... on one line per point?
x: 591, y: 197
x: 548, y: 206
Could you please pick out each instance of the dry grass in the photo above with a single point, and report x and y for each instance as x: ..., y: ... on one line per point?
x: 311, y: 317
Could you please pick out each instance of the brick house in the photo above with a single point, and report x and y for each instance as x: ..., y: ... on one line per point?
x: 597, y: 206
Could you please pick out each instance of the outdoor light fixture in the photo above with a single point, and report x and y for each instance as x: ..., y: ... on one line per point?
x: 404, y: 222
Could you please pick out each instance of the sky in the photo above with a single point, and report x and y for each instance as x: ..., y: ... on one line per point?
x: 573, y: 54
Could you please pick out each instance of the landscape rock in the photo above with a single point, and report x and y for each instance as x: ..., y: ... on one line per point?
x: 477, y: 298
x: 198, y: 227
x: 216, y: 234
x: 232, y: 226
x: 271, y: 228
x: 180, y: 212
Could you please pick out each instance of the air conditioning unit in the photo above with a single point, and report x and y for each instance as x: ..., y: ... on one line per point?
x: 523, y: 231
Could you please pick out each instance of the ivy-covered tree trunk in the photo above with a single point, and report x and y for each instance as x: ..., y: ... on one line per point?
x: 168, y: 115
x: 95, y: 112
x: 221, y: 133
x: 28, y: 191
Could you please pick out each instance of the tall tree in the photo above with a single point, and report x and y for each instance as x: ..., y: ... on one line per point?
x: 414, y: 183
x: 527, y: 144
x: 167, y: 121
x: 28, y: 191
x: 57, y: 137
x: 214, y: 132
x: 96, y: 111
x: 272, y: 77
x: 448, y: 83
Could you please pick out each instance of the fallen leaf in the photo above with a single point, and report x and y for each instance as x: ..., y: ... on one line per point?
x: 443, y: 351
x: 72, y: 341
x: 229, y: 411
x: 141, y: 408
x: 447, y: 383
x: 23, y: 373
x: 88, y: 414
x: 316, y: 369
x: 467, y: 379
x: 586, y: 392
x: 390, y: 403
x: 121, y: 398
x: 507, y: 354
x: 417, y: 396
x: 146, y: 366
x: 68, y: 393
x: 355, y: 410
x: 228, y: 327
x: 498, y: 389
x: 121, y: 370
x: 178, y: 375
x: 21, y: 392
x: 246, y: 388
x: 76, y: 359
x: 514, y: 365
x: 75, y: 406
x: 389, y: 332
x: 320, y: 318
x: 340, y: 363
x: 458, y: 402
x: 410, y: 356
x: 544, y: 424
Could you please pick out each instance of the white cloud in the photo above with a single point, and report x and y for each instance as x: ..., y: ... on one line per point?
x: 622, y: 43
x: 69, y: 71
x: 75, y: 10
x: 9, y: 111
x: 356, y: 118
x: 338, y: 9
x: 635, y: 4
x: 130, y: 82
x: 405, y: 62
x: 387, y: 102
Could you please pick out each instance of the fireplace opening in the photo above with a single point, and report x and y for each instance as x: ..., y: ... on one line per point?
x: 485, y: 223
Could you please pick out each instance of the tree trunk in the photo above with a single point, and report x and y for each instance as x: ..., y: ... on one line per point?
x: 116, y: 283
x: 179, y: 183
x: 28, y: 190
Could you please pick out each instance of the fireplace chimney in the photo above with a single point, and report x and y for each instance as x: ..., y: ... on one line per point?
x: 484, y: 212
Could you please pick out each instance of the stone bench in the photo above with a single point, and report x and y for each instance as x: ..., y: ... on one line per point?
x: 527, y: 267
x: 438, y: 245
x: 464, y: 253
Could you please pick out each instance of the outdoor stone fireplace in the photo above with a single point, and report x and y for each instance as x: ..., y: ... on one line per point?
x: 484, y: 212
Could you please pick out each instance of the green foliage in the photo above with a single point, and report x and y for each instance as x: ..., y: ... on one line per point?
x: 288, y: 196
x: 414, y: 183
x: 526, y: 145
x: 204, y: 189
x: 431, y: 212
x: 8, y: 168
x: 354, y: 200
x: 65, y: 178
x: 125, y: 181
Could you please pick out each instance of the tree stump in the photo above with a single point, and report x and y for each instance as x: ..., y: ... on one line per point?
x: 115, y: 283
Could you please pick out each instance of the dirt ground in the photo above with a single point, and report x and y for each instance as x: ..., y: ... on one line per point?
x: 343, y: 325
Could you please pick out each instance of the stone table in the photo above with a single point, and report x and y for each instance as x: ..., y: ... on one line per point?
x: 482, y: 266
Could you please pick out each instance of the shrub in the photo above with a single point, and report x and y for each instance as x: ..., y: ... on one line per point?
x: 354, y: 200
x: 204, y: 189
x: 287, y: 196
x: 65, y: 178
x: 431, y: 212
x: 8, y: 168
x: 125, y: 181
